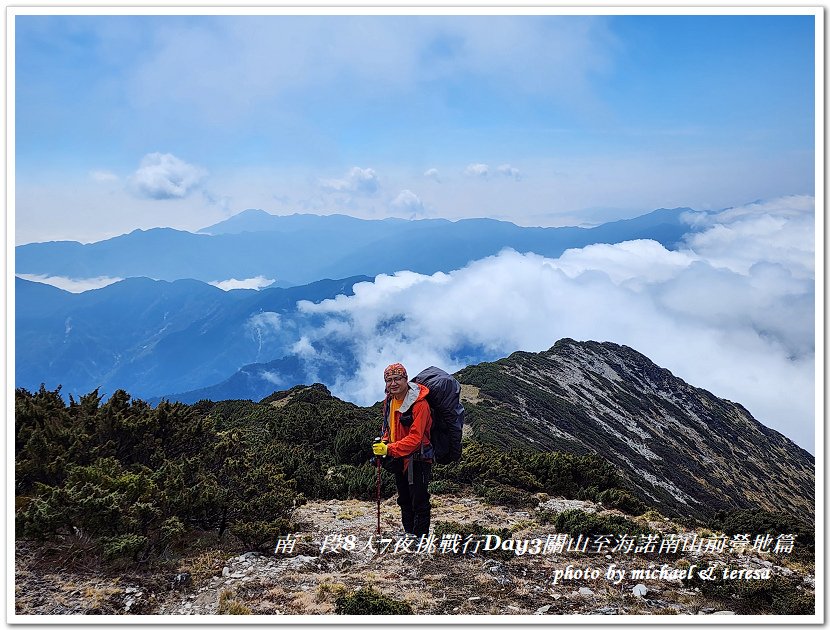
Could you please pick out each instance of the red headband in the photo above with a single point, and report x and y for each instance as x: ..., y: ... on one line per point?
x: 396, y: 369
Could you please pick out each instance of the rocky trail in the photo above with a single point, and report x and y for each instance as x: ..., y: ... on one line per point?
x: 335, y: 552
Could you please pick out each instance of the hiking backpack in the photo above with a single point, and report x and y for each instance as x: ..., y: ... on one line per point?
x: 444, y: 400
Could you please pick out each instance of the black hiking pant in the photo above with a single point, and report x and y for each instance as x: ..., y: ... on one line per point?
x: 414, y: 498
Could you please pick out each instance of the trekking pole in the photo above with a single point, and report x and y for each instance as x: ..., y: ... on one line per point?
x: 377, y: 462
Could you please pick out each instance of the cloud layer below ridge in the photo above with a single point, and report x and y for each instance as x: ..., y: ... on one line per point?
x: 731, y: 311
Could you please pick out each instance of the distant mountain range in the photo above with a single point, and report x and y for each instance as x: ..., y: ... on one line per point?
x: 180, y: 337
x: 153, y: 336
x: 688, y: 451
x: 299, y: 249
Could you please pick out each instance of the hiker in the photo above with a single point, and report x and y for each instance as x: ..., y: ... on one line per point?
x: 406, y: 446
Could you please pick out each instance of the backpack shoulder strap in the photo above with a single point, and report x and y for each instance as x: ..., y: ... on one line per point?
x: 385, y: 426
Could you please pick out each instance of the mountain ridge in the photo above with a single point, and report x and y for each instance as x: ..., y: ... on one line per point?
x: 314, y: 247
x: 677, y: 444
x: 645, y: 420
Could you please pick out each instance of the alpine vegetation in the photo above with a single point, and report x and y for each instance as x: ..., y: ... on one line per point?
x: 277, y: 505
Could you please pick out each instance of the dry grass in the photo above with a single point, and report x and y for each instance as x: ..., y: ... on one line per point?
x: 282, y: 402
x: 228, y: 605
x: 329, y: 591
x: 420, y: 601
x: 306, y: 603
x: 206, y: 565
x: 277, y: 593
x: 75, y: 552
x: 524, y: 525
x: 470, y: 394
x: 99, y: 599
x: 794, y: 563
x: 350, y: 514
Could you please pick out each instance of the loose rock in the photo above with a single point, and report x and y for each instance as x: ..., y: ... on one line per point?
x: 182, y: 581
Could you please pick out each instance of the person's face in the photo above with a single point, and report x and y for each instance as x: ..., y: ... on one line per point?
x: 396, y: 385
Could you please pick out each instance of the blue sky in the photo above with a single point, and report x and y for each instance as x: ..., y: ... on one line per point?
x: 127, y: 122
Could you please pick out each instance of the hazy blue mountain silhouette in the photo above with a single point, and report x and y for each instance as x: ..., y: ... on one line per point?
x: 250, y: 382
x: 179, y: 334
x: 299, y: 249
x: 152, y: 336
x: 253, y: 220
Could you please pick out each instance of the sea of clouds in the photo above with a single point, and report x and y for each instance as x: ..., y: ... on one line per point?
x: 731, y: 310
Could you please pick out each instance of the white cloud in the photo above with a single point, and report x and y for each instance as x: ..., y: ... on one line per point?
x: 432, y: 173
x: 509, y: 171
x: 629, y: 263
x: 484, y: 171
x: 266, y: 321
x: 272, y: 377
x: 304, y: 348
x: 743, y: 333
x: 408, y: 203
x: 359, y: 180
x: 561, y: 191
x: 257, y: 282
x: 73, y: 285
x: 477, y: 170
x: 780, y: 231
x: 164, y: 176
x: 103, y: 176
x: 354, y: 59
x: 86, y: 211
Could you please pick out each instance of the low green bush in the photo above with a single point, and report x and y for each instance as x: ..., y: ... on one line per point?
x: 466, y: 529
x: 499, y: 494
x: 545, y: 517
x: 586, y: 477
x: 355, y: 482
x: 480, y: 463
x: 621, y: 500
x: 444, y: 486
x: 368, y: 601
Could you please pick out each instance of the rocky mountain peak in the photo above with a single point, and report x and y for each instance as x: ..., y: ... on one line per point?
x: 679, y: 446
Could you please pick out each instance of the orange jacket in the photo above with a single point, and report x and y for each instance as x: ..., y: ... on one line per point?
x: 413, y: 422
